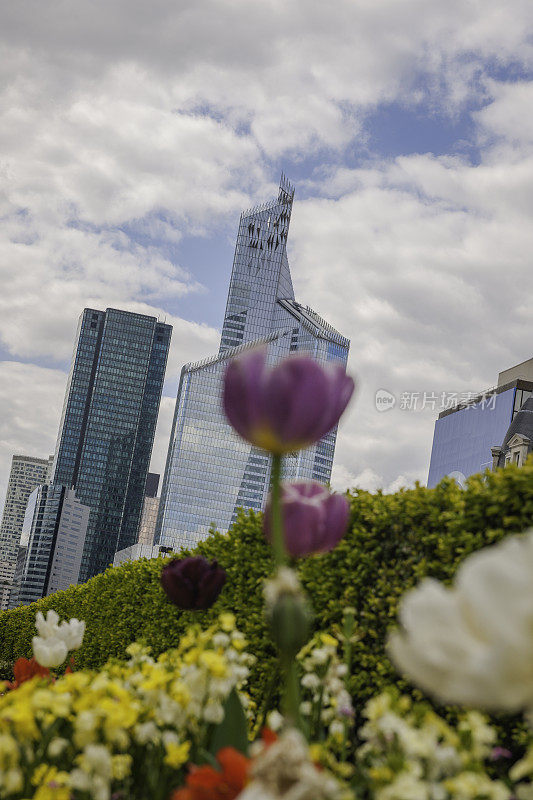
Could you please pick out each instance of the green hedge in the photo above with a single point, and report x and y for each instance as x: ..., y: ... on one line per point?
x: 392, y: 542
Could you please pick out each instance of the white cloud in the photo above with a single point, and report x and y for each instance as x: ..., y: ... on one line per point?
x: 369, y: 480
x: 31, y: 399
x: 424, y: 263
x: 162, y: 437
x: 124, y: 126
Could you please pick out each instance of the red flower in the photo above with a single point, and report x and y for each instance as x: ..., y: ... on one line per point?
x: 70, y: 669
x: 206, y: 783
x: 24, y: 669
x: 268, y: 736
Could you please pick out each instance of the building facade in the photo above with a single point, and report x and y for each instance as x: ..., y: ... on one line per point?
x: 26, y: 474
x: 137, y: 551
x: 55, y: 544
x: 518, y: 442
x: 148, y: 521
x: 465, y: 435
x: 211, y: 472
x: 108, y: 424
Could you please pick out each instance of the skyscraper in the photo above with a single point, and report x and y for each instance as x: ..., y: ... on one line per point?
x: 210, y: 471
x: 57, y: 531
x: 466, y: 434
x: 26, y: 474
x: 108, y: 423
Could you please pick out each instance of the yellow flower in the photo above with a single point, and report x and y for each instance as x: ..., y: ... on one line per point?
x: 121, y: 766
x: 215, y: 663
x: 51, y: 783
x: 135, y: 649
x: 377, y: 706
x: 382, y: 774
x: 157, y: 679
x: 316, y: 752
x: 22, y: 718
x: 192, y: 656
x: 180, y: 693
x: 328, y: 640
x: 177, y: 754
x: 238, y: 641
x: 73, y: 682
x: 59, y: 703
x: 227, y: 622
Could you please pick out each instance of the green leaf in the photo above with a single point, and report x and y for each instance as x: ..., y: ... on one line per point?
x: 233, y: 730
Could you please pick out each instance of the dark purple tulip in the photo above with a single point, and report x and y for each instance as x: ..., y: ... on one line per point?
x: 314, y: 520
x: 285, y: 407
x: 192, y: 583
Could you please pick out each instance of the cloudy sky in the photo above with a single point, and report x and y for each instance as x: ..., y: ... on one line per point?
x: 132, y: 134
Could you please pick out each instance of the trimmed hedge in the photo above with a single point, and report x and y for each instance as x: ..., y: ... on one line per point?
x: 393, y: 541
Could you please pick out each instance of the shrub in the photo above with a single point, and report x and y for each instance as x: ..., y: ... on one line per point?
x: 393, y: 541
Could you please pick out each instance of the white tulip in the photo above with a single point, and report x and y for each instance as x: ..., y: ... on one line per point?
x: 473, y: 644
x: 47, y: 626
x: 49, y: 652
x: 71, y: 633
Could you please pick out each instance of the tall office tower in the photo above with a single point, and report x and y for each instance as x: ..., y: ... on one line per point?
x: 210, y: 471
x: 26, y: 474
x: 150, y: 509
x: 55, y: 543
x: 466, y: 434
x: 108, y: 423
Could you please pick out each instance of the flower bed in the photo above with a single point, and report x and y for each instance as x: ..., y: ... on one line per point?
x: 186, y: 725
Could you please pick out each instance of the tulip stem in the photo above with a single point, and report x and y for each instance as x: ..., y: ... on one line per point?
x: 278, y: 541
x: 291, y: 696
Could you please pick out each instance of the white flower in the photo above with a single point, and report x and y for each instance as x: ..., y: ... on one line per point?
x: 57, y: 746
x: 404, y: 787
x: 213, y: 712
x: 284, y: 771
x: 321, y: 655
x: 49, y: 652
x: 13, y: 781
x: 96, y: 759
x: 472, y: 644
x: 147, y: 732
x: 311, y: 681
x: 170, y: 737
x: 285, y: 582
x: 275, y: 720
x: 47, y: 626
x: 71, y: 633
x: 336, y: 729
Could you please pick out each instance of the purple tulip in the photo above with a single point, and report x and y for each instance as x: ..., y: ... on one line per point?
x: 314, y: 520
x: 286, y: 407
x: 192, y: 583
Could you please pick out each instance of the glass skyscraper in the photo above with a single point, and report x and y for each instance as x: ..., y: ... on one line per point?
x: 210, y: 471
x: 26, y: 474
x: 56, y: 525
x: 466, y: 433
x: 108, y: 424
